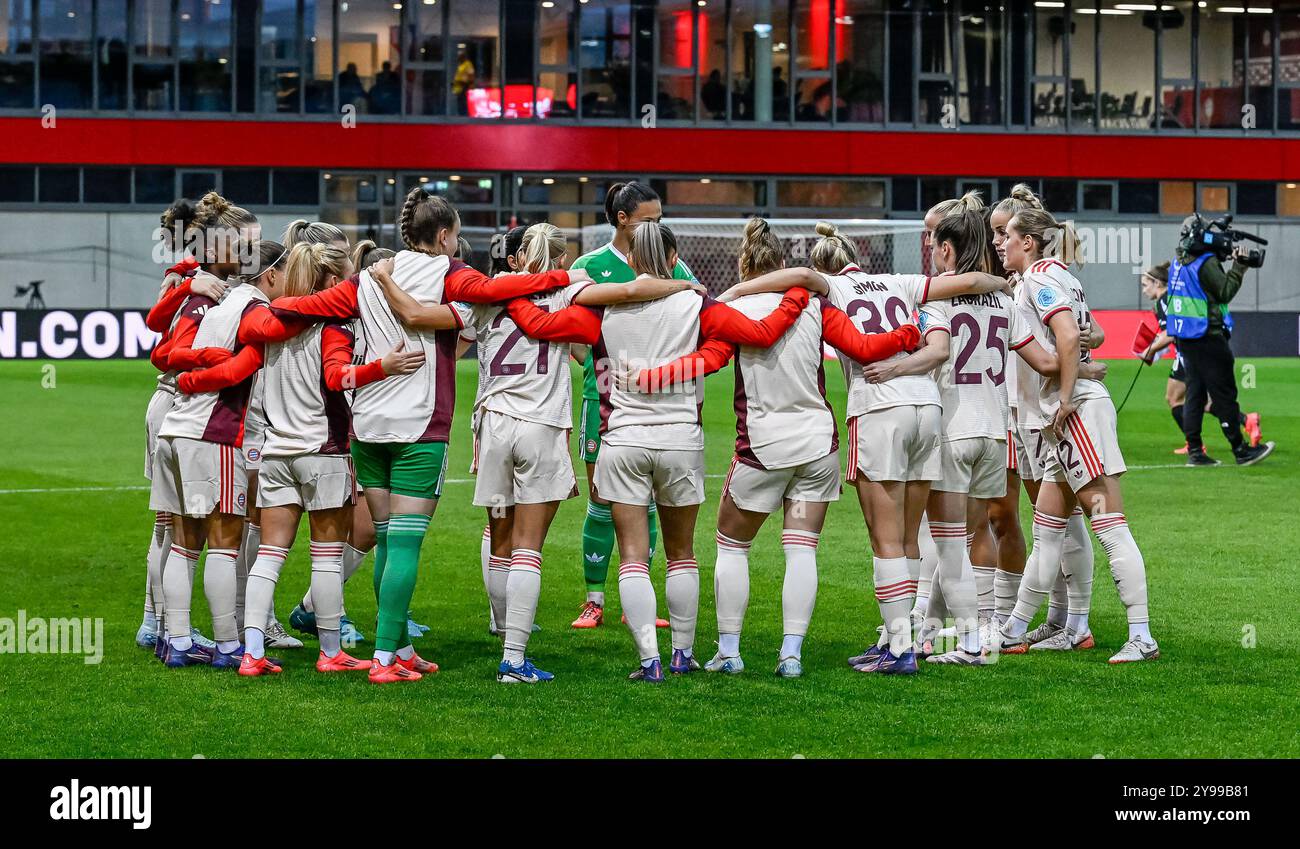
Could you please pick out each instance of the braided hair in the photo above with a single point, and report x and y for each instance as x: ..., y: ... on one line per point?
x: 423, y: 217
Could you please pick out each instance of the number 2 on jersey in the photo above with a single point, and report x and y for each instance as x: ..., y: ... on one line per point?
x: 500, y: 368
x: 997, y: 324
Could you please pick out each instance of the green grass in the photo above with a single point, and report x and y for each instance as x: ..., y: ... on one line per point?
x: 1218, y: 546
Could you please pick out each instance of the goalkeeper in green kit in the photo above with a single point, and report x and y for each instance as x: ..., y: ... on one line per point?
x: 626, y: 206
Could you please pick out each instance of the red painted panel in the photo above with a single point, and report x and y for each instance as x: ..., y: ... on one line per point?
x: 527, y: 146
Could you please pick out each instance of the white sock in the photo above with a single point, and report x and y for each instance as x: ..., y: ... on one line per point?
x: 327, y: 593
x: 731, y: 589
x: 406, y: 652
x: 177, y: 589
x: 728, y: 644
x: 597, y: 597
x: 498, y: 575
x: 523, y: 586
x: 1077, y: 563
x: 895, y: 594
x: 682, y: 588
x: 791, y: 646
x: 637, y: 596
x: 984, y: 578
x: 260, y: 594
x: 160, y: 546
x: 352, y: 559
x: 1058, y: 601
x: 219, y: 587
x: 1126, y: 567
x: 1049, y: 537
x: 1005, y: 587
x: 385, y: 658
x: 251, y: 539
x: 957, y: 579
x: 485, y: 560
x: 799, y: 590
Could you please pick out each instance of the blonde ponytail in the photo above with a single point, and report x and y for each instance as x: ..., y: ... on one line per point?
x: 310, y: 265
x: 760, y: 250
x: 1054, y: 240
x: 1022, y: 197
x: 543, y: 247
x: 832, y: 252
x: 651, y: 245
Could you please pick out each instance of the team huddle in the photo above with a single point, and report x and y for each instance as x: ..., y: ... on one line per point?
x: 308, y: 375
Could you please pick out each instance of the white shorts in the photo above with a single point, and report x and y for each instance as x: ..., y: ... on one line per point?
x: 976, y: 466
x: 311, y: 481
x: 159, y: 405
x: 629, y: 474
x: 897, y: 444
x: 196, y: 478
x: 254, y: 439
x: 1089, y: 448
x: 519, y: 462
x: 1032, y: 449
x: 765, y: 490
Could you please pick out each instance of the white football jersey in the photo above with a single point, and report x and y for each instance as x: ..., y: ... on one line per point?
x: 1049, y: 288
x: 405, y: 408
x: 972, y: 381
x: 216, y: 416
x: 302, y: 415
x: 782, y: 416
x: 643, y: 335
x: 878, y: 303
x: 521, y: 377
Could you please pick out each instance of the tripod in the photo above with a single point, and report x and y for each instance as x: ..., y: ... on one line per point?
x: 33, y: 292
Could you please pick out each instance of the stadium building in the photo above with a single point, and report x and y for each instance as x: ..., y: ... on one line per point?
x: 1124, y: 116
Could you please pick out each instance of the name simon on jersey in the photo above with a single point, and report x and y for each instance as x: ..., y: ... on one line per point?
x: 862, y: 287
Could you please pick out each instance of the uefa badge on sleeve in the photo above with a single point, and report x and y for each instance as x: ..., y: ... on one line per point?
x: 1046, y: 297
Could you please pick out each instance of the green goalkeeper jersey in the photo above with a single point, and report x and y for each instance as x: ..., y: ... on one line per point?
x: 607, y: 265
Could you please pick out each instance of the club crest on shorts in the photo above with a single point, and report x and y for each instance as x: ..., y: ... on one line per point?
x: 254, y: 455
x: 241, y: 500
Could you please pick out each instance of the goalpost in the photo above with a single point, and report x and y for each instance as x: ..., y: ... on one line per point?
x: 711, y: 246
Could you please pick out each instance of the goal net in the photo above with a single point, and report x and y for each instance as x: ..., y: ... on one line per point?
x: 711, y: 246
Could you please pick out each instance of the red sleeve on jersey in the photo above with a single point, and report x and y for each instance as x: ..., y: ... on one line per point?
x: 263, y: 325
x: 233, y: 371
x: 865, y: 347
x: 185, y: 268
x: 338, y: 301
x: 571, y: 324
x: 708, y: 358
x: 467, y: 284
x: 160, y: 317
x: 719, y: 321
x: 336, y: 361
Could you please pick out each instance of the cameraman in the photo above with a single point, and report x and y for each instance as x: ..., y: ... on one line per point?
x: 1198, y: 318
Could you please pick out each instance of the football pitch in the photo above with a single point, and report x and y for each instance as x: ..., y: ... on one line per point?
x: 1219, y: 546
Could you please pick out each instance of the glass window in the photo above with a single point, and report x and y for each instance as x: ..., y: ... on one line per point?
x: 675, y: 92
x: 838, y: 194
x: 60, y: 185
x: 1177, y: 198
x: 1139, y: 197
x: 1288, y: 203
x: 979, y: 69
x: 1176, y: 87
x: 295, y: 188
x: 66, y: 70
x: 1288, y: 96
x: 812, y: 61
x: 196, y: 184
x: 518, y: 51
x: 457, y: 188
x: 368, y: 50
x: 155, y: 185
x: 318, y: 75
x: 937, y: 189
x: 110, y: 53
x: 899, y: 20
x: 544, y: 191
x: 153, y: 83
x: 351, y: 188
x: 1257, y: 112
x: 17, y: 184
x: 1215, y: 198
x: 281, y: 76
x: 1220, y: 71
x: 605, y: 58
x: 16, y: 73
x: 903, y: 194
x: 860, y: 59
x: 1257, y: 198
x: 760, y: 61
x: 1060, y: 195
x: 709, y: 192
x: 712, y: 25
x: 1049, y: 90
x: 246, y: 187
x: 937, y: 99
x: 475, y: 87
x: 426, y: 73
x: 1098, y: 197
x: 108, y: 185
x: 204, y: 50
x: 557, y: 83
x: 1083, y: 62
x: 1127, y: 45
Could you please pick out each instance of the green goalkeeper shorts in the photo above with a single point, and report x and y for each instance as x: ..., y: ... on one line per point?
x: 413, y: 469
x: 589, y: 432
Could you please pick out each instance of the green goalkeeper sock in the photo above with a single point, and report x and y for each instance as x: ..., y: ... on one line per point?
x: 653, y: 520
x: 381, y: 555
x: 597, y: 545
x: 405, y: 535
